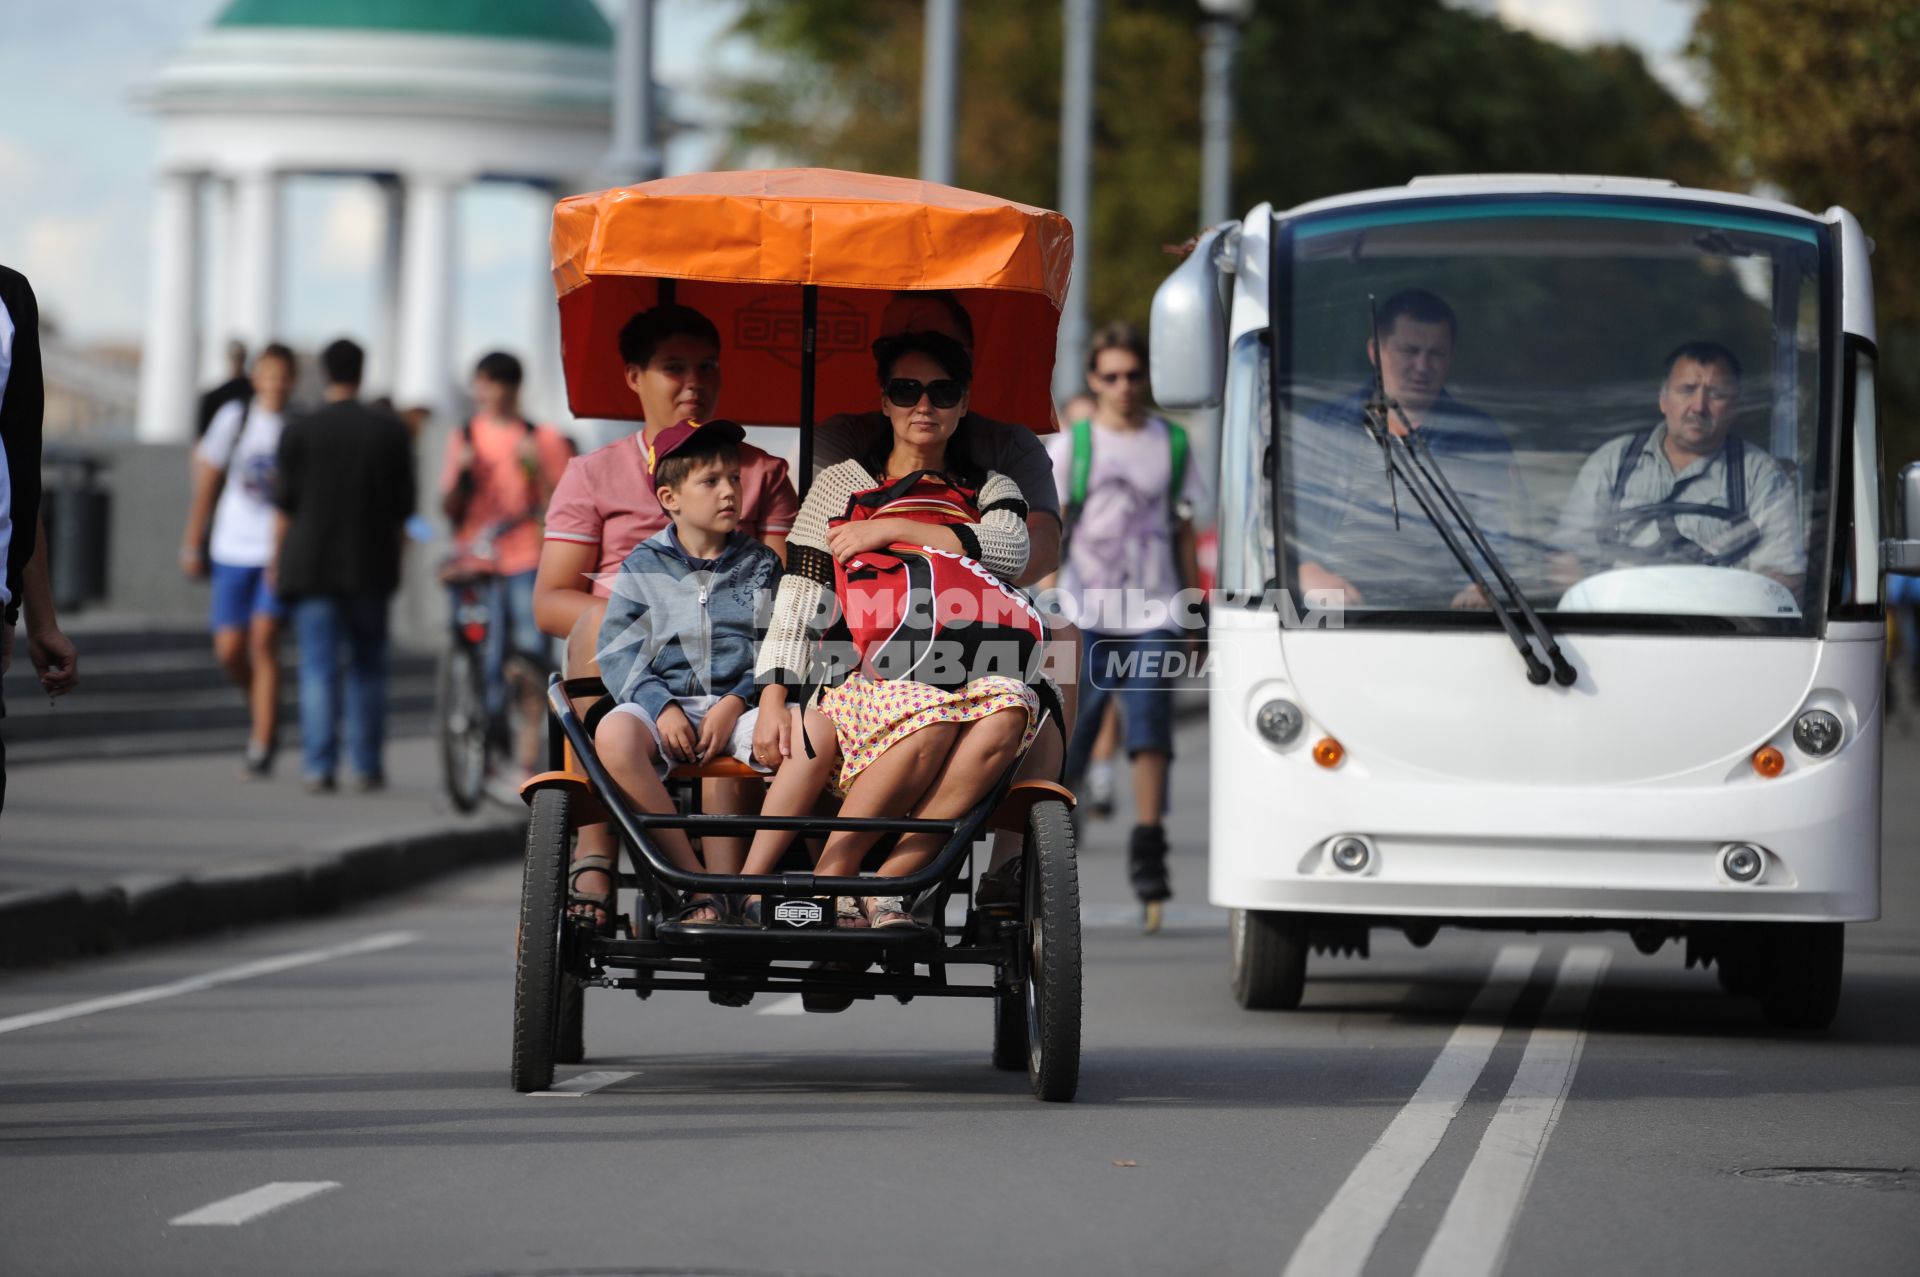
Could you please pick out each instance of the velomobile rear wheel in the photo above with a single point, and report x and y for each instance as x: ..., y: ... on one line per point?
x: 1051, y: 935
x: 539, y: 975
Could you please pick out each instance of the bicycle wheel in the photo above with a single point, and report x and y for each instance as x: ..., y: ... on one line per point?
x: 461, y: 711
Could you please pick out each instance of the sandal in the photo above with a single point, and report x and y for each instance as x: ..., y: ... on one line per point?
x: 1003, y: 886
x: 595, y: 911
x: 888, y: 911
x: 751, y: 913
x: 713, y: 906
x: 847, y: 914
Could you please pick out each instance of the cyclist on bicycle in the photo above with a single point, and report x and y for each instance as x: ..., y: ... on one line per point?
x: 499, y: 474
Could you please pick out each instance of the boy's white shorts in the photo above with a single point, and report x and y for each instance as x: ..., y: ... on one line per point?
x: 696, y: 708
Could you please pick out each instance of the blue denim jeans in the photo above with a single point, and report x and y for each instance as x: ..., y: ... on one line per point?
x: 325, y: 625
x: 1131, y: 671
x: 510, y: 629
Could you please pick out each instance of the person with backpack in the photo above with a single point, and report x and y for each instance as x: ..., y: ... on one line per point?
x: 1128, y: 488
x: 234, y: 470
x: 499, y: 473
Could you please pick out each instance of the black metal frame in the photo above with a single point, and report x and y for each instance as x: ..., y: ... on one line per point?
x: 739, y: 958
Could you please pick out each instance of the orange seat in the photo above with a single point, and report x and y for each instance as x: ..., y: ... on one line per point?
x: 718, y: 769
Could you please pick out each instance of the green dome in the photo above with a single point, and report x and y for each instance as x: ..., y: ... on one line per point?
x: 577, y: 22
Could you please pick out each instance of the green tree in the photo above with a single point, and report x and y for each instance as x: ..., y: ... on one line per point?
x: 1821, y: 98
x: 1334, y: 96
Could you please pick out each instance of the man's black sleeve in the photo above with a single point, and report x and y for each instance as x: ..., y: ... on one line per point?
x: 21, y: 409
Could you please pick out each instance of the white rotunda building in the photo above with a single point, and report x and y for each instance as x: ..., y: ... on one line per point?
x: 421, y: 98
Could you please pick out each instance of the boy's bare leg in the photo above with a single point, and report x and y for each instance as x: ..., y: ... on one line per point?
x: 725, y: 854
x: 894, y: 782
x: 263, y: 694
x: 980, y: 755
x: 628, y: 750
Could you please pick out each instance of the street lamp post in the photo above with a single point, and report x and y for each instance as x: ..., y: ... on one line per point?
x: 1220, y: 40
x: 634, y: 155
x: 939, y: 91
x: 1082, y: 19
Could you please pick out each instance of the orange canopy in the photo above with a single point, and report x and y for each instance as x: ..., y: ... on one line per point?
x: 740, y: 246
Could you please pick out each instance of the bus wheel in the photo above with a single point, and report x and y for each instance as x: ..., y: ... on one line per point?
x: 1803, y: 961
x: 1269, y: 958
x: 1739, y: 960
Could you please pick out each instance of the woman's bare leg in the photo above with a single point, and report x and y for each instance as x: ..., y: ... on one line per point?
x: 796, y: 786
x: 977, y: 761
x: 1041, y: 763
x: 583, y: 645
x: 892, y: 783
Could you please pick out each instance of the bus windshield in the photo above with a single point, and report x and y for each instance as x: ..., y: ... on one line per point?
x: 1627, y: 397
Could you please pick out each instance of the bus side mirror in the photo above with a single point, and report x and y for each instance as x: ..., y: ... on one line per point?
x: 1187, y: 334
x: 1902, y: 554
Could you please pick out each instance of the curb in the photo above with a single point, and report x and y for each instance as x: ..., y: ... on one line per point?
x: 50, y: 925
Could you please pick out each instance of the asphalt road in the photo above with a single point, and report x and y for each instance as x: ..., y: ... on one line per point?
x: 332, y: 1098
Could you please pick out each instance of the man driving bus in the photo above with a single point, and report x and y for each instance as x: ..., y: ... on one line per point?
x: 1686, y: 489
x: 1356, y: 533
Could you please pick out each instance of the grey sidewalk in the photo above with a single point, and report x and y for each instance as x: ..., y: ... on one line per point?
x: 102, y: 853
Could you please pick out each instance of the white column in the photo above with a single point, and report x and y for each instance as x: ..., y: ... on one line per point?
x: 383, y: 350
x: 427, y: 295
x: 256, y: 292
x: 546, y: 380
x: 166, y: 362
x: 218, y: 278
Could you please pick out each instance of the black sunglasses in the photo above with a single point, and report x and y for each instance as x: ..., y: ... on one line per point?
x: 905, y: 392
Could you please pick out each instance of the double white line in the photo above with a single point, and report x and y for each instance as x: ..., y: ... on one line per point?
x: 1473, y: 1235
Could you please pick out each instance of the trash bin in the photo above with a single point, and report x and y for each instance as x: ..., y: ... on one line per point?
x: 76, y: 509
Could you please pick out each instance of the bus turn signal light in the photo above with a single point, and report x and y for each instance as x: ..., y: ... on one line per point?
x: 1769, y: 762
x: 1328, y: 752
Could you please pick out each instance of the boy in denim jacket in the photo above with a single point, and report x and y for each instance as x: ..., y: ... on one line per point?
x: 681, y: 633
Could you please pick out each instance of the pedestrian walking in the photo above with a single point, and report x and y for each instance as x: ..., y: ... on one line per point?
x: 1128, y: 490
x: 23, y: 540
x: 345, y: 493
x: 229, y: 540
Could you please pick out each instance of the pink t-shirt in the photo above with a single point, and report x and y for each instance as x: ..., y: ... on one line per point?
x: 606, y: 498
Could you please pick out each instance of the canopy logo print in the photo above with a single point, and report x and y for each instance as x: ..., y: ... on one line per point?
x: 773, y: 325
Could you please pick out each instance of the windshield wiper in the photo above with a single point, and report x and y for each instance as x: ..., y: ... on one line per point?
x: 1414, y: 464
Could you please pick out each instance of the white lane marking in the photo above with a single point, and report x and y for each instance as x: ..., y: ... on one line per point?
x: 212, y: 979
x: 1344, y: 1235
x: 789, y: 1004
x: 585, y: 1084
x: 1474, y: 1233
x: 230, y: 1212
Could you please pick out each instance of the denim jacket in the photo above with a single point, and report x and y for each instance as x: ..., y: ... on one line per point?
x: 677, y: 626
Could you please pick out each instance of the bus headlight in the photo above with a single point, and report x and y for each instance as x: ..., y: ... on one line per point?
x: 1817, y: 732
x: 1279, y: 722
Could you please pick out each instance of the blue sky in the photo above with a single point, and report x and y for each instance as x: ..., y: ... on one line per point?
x: 76, y: 165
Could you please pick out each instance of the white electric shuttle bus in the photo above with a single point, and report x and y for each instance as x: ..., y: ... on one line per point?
x: 1570, y: 617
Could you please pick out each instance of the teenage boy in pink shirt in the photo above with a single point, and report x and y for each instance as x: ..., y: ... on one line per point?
x: 605, y: 504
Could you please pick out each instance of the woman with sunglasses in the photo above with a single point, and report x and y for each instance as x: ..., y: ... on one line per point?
x: 893, y: 747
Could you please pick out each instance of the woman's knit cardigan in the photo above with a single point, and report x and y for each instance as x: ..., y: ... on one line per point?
x: 998, y: 542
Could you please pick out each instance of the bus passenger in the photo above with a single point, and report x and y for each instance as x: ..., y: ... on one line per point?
x: 1354, y: 533
x: 1684, y: 490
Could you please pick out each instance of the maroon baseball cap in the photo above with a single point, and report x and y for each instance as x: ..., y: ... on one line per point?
x: 675, y: 437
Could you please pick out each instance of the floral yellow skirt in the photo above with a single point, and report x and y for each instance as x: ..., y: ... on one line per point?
x: 869, y: 716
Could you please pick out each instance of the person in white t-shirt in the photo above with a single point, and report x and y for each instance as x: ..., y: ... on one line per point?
x: 1128, y: 484
x: 234, y: 462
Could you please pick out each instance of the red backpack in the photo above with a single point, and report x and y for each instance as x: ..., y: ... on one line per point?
x: 931, y: 616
